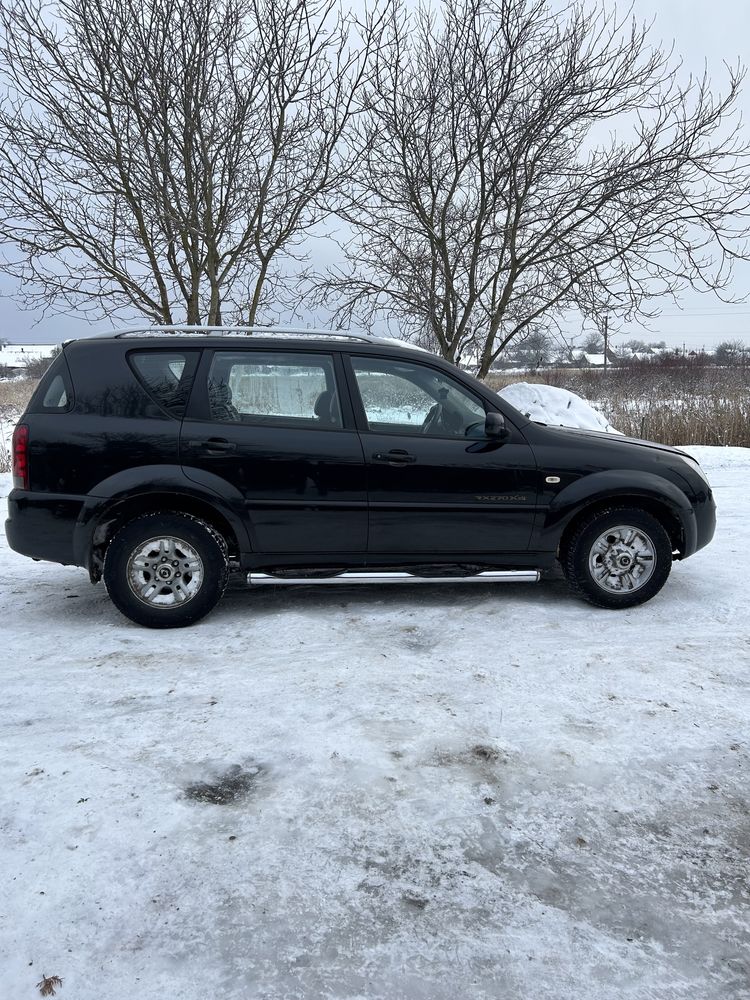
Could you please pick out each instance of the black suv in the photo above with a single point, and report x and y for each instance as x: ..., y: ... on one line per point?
x: 164, y: 459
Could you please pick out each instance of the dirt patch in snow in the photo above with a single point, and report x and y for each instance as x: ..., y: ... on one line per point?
x: 228, y: 788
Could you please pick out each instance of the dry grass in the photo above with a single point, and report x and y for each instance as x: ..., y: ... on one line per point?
x: 13, y: 399
x: 677, y: 404
x: 49, y: 985
x: 15, y: 394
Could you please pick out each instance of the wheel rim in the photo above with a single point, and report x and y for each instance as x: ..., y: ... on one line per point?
x: 622, y: 559
x: 165, y: 572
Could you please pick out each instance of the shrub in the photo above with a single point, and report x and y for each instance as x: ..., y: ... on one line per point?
x: 14, y: 395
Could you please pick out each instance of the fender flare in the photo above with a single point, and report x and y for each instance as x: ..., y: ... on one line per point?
x: 140, y: 482
x: 612, y: 485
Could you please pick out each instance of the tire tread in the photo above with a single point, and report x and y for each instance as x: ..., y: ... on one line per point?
x: 153, y: 618
x: 570, y: 555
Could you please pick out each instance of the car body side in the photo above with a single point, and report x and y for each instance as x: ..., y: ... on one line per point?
x: 115, y: 453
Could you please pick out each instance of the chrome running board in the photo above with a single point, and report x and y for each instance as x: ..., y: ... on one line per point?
x: 490, y: 576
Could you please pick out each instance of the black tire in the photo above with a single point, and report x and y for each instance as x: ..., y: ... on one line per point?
x: 166, y: 570
x: 591, y: 552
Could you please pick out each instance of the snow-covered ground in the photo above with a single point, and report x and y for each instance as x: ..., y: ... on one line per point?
x: 433, y: 793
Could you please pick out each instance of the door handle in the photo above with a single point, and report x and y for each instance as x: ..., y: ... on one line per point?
x: 214, y: 446
x: 395, y: 457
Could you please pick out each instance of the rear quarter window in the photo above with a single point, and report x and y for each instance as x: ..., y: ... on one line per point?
x: 56, y: 397
x: 54, y: 394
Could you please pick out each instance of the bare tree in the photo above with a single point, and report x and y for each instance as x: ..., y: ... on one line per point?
x: 592, y: 343
x: 518, y: 163
x: 730, y: 352
x: 534, y: 350
x: 163, y: 156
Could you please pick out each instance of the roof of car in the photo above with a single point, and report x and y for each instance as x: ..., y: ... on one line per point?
x: 162, y: 337
x: 213, y: 335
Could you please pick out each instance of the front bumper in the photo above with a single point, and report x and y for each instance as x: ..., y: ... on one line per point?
x: 705, y: 518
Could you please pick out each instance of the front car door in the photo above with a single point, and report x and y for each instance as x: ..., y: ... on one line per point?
x: 436, y: 484
x: 273, y: 426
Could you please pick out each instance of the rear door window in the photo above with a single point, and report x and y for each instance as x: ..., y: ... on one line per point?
x: 281, y: 389
x: 167, y: 376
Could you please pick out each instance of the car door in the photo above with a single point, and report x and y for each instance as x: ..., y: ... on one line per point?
x: 436, y: 483
x: 272, y: 427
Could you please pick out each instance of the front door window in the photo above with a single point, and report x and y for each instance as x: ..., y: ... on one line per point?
x: 406, y: 398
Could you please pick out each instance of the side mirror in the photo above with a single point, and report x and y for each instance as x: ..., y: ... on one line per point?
x: 494, y: 426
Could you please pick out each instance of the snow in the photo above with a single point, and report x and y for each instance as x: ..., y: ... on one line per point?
x: 7, y: 426
x: 21, y: 355
x: 403, y: 343
x: 595, y: 359
x: 440, y: 792
x: 548, y: 404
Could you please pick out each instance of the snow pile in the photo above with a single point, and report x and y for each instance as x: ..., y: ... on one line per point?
x: 549, y: 405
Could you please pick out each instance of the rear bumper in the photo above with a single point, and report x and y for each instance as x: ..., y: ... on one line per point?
x: 42, y: 526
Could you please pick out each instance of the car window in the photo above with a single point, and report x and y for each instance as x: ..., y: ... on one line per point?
x: 274, y: 388
x: 54, y: 393
x: 167, y: 376
x: 56, y: 396
x: 407, y: 398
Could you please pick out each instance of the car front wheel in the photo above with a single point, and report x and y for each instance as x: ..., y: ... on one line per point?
x: 618, y: 558
x: 166, y: 570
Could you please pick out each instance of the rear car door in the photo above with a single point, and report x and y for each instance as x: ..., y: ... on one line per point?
x: 436, y: 484
x: 273, y: 425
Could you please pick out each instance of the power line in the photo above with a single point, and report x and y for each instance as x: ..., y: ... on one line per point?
x: 692, y: 335
x: 688, y: 313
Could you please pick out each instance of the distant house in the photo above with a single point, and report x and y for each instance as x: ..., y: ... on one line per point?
x: 586, y: 360
x: 642, y: 355
x: 17, y: 358
x: 594, y: 360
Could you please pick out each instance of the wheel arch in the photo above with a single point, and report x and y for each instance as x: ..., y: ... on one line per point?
x: 113, y: 514
x: 662, y: 511
x: 622, y: 488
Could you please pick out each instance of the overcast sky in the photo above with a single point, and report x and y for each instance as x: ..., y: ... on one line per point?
x: 715, y: 32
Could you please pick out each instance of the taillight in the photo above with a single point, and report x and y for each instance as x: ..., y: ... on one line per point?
x: 21, y: 457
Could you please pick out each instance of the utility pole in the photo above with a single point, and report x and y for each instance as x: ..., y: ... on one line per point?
x: 606, y: 341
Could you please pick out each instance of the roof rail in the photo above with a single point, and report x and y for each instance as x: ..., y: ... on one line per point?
x: 230, y: 331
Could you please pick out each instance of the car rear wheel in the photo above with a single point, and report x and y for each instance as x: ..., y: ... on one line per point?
x: 618, y: 558
x: 166, y: 570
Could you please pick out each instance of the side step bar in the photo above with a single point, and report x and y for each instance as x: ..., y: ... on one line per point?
x: 490, y: 576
